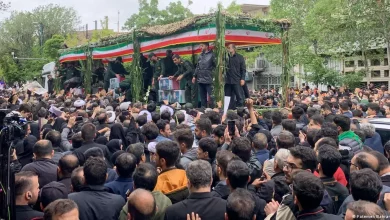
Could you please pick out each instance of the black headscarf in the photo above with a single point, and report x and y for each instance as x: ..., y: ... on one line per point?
x: 34, y: 128
x: 113, y: 146
x: 26, y: 156
x: 45, y: 131
x: 117, y: 132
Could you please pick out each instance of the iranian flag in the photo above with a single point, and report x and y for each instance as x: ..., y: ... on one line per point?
x: 117, y: 50
x: 73, y: 56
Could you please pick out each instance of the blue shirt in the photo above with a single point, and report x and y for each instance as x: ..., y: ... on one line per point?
x: 120, y: 186
x: 162, y: 138
x: 262, y: 155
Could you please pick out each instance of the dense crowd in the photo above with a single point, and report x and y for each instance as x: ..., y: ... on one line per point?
x: 97, y: 156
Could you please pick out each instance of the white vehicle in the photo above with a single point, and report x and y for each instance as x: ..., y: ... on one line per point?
x: 47, y: 69
x: 382, y: 126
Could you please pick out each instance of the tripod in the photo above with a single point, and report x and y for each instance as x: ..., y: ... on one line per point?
x: 7, y: 178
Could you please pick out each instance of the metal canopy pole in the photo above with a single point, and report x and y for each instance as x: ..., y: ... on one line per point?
x: 285, y: 26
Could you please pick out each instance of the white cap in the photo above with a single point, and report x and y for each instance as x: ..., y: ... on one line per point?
x: 147, y: 113
x: 164, y: 108
x: 55, y: 111
x: 124, y: 106
x: 152, y: 147
x: 79, y: 103
x: 112, y: 118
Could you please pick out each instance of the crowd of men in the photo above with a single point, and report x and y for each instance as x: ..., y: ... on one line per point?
x: 99, y: 156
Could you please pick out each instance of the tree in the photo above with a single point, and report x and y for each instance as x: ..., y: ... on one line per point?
x: 55, y: 19
x: 21, y: 34
x: 17, y: 34
x: 234, y: 8
x: 352, y: 80
x: 4, y: 6
x: 51, y: 46
x: 150, y: 15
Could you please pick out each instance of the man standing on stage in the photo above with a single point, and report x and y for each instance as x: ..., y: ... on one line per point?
x: 235, y: 77
x: 170, y: 67
x: 186, y: 71
x: 204, y: 73
x: 158, y: 69
x: 50, y: 84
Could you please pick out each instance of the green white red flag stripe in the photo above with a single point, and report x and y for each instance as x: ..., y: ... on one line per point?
x: 113, y: 51
x: 195, y: 36
x: 73, y: 56
x: 249, y: 37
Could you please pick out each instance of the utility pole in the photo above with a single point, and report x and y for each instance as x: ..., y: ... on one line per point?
x: 106, y: 22
x: 118, y: 22
x: 86, y: 31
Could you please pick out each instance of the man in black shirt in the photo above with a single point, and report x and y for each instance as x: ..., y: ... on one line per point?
x: 204, y: 73
x: 235, y: 77
x: 50, y: 84
x: 26, y: 195
x: 200, y: 200
x: 43, y: 166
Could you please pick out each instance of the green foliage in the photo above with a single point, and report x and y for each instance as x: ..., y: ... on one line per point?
x: 220, y: 53
x: 98, y: 34
x: 21, y: 32
x: 250, y: 55
x: 234, y: 8
x: 136, y: 72
x: 55, y: 19
x: 336, y: 28
x: 51, y: 47
x: 353, y: 80
x: 320, y: 74
x: 150, y: 15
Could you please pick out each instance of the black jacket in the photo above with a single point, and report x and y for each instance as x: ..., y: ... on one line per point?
x: 50, y: 85
x: 67, y: 182
x: 25, y: 212
x: 221, y: 190
x: 79, y: 152
x: 336, y: 191
x: 292, y: 209
x: 204, y: 204
x: 316, y: 214
x: 235, y: 69
x: 97, y: 204
x: 266, y: 189
x: 204, y: 70
x: 118, y: 68
x: 46, y: 169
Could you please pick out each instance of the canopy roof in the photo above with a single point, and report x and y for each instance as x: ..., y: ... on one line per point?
x: 182, y: 36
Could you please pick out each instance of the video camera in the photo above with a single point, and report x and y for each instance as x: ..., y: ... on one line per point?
x: 12, y: 126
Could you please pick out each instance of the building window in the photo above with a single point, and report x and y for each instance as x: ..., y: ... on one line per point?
x: 386, y: 74
x: 360, y: 63
x: 376, y: 74
x: 349, y: 63
x: 385, y: 62
x: 375, y: 62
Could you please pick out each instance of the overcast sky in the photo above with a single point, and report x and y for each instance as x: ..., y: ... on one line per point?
x: 91, y: 10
